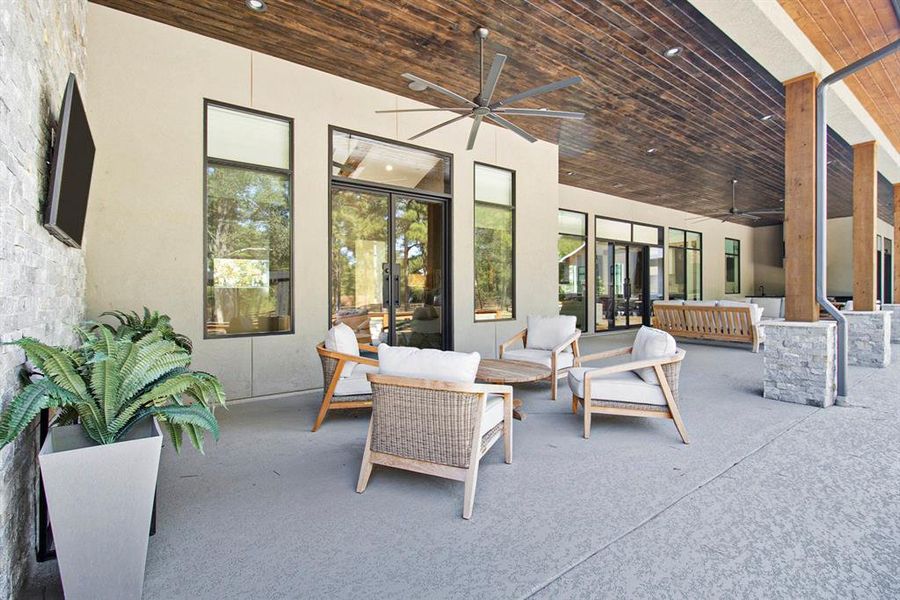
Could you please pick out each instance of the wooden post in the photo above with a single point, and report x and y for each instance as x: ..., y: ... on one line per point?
x: 800, y: 199
x: 865, y: 211
x: 896, y: 247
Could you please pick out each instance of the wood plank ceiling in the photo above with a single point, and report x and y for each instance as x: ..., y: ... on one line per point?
x: 702, y: 111
x: 846, y: 30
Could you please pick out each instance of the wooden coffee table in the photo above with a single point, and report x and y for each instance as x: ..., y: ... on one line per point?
x: 509, y: 372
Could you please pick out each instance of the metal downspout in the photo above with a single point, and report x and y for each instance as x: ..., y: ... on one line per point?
x: 822, y: 203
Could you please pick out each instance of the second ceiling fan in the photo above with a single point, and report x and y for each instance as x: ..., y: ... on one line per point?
x: 481, y: 107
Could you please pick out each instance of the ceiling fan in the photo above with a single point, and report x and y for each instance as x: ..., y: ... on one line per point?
x: 481, y: 107
x: 734, y: 213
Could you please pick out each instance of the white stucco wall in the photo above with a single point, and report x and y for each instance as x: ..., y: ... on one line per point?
x: 146, y: 213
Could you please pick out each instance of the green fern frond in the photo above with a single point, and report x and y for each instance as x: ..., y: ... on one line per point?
x: 26, y: 405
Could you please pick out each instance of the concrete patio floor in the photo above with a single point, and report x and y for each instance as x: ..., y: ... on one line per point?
x: 770, y: 500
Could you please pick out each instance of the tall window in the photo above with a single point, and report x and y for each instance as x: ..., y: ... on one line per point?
x: 572, y: 254
x: 494, y: 243
x: 732, y: 266
x: 685, y: 265
x: 248, y: 222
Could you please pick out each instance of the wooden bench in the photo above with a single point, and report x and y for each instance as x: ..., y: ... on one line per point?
x: 718, y: 323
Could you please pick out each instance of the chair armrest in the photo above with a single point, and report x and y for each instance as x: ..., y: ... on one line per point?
x: 449, y: 386
x: 628, y: 366
x: 570, y: 341
x: 512, y: 340
x: 368, y: 348
x: 347, y: 357
x: 607, y: 354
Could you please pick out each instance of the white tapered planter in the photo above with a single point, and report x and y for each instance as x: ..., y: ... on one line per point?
x: 100, y: 500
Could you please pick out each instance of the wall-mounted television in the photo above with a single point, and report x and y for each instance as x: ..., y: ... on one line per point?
x: 70, y: 170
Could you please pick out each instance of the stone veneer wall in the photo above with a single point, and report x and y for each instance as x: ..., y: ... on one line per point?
x: 41, y: 280
x: 869, y: 338
x: 894, y: 309
x: 800, y: 362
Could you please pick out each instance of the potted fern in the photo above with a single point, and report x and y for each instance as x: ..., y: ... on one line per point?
x: 99, y: 475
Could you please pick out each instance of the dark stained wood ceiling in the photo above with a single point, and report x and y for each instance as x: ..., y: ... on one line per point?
x: 700, y: 110
x: 845, y: 31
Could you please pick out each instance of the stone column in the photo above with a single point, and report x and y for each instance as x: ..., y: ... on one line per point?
x: 800, y: 362
x: 894, y: 309
x: 869, y: 343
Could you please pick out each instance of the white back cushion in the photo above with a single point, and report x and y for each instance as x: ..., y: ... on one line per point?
x: 459, y: 367
x: 755, y: 311
x: 341, y: 338
x: 546, y: 333
x: 652, y: 343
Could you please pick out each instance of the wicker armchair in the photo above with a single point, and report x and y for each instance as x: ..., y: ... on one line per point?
x: 617, y: 390
x: 560, y: 354
x: 437, y: 428
x: 344, y: 393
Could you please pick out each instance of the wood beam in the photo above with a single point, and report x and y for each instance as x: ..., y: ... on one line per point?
x: 896, y: 247
x: 800, y: 199
x: 865, y: 211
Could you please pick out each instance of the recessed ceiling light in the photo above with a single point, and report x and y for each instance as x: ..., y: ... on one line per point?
x: 570, y: 172
x: 766, y: 117
x: 673, y: 51
x: 651, y: 150
x: 417, y: 86
x: 256, y: 5
x: 388, y: 167
x: 617, y: 185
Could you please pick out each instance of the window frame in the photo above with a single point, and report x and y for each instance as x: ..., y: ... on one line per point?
x: 586, y: 237
x: 514, y: 220
x: 684, y: 248
x: 737, y: 255
x: 289, y: 173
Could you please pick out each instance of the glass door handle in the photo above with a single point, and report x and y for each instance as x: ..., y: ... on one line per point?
x: 385, y: 285
x: 396, y: 290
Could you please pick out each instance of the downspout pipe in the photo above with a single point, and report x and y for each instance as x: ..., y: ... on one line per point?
x: 822, y: 204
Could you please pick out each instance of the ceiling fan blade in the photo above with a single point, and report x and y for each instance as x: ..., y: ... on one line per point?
x: 439, y: 125
x: 747, y: 215
x: 512, y: 127
x: 493, y: 76
x: 474, y: 132
x: 440, y: 89
x: 406, y: 110
x: 537, y: 91
x: 766, y: 211
x: 537, y: 112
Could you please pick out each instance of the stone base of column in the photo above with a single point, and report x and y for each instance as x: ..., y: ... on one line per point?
x: 800, y: 362
x: 869, y: 338
x: 894, y: 309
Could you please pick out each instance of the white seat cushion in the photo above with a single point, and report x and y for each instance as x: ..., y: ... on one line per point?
x: 541, y: 357
x: 341, y: 338
x: 649, y: 344
x: 437, y: 365
x: 617, y: 387
x: 493, y: 414
x: 546, y: 333
x: 356, y: 384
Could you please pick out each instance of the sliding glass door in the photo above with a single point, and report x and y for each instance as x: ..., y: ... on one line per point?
x: 629, y: 278
x: 387, y: 279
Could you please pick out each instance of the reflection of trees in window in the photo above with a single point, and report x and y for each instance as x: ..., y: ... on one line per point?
x: 248, y: 223
x: 494, y: 260
x: 732, y: 266
x: 359, y: 233
x: 572, y: 256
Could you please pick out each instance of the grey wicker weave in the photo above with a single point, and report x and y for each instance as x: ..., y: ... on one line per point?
x: 433, y: 427
x: 668, y: 372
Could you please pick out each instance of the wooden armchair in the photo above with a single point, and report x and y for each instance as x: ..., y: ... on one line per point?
x: 343, y: 393
x: 558, y: 356
x: 619, y: 390
x: 437, y: 428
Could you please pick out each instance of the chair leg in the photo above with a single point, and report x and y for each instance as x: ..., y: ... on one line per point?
x: 679, y: 424
x: 574, y: 404
x: 365, y: 470
x: 507, y: 435
x: 554, y: 384
x: 587, y: 420
x: 471, y: 480
x: 326, y: 404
